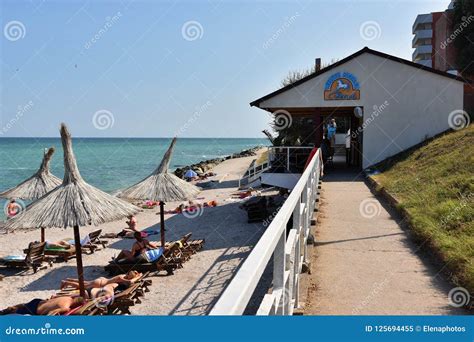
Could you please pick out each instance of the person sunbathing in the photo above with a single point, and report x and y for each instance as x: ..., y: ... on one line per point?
x: 66, y: 243
x: 38, y: 306
x: 132, y: 224
x: 126, y: 279
x: 140, y: 246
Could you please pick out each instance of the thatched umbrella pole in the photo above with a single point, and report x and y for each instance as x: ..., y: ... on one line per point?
x: 162, y: 224
x: 80, y: 268
x: 72, y: 176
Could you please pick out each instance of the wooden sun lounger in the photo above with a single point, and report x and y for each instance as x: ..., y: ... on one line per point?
x: 95, y: 241
x: 69, y: 253
x: 189, y: 247
x: 34, y: 258
x: 167, y: 262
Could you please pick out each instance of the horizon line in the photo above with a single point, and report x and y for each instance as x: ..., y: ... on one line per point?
x: 86, y: 137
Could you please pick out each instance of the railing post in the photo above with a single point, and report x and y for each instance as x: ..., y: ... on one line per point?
x: 279, y: 270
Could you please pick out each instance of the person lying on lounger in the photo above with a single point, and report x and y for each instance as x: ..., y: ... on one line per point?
x: 126, y: 279
x: 39, y: 306
x: 140, y: 246
x: 66, y: 243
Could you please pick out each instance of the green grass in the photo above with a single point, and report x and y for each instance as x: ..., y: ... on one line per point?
x: 435, y: 185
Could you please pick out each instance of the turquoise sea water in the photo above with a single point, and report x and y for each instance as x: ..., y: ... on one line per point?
x: 111, y: 163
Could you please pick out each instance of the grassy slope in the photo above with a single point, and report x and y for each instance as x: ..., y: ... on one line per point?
x: 435, y: 184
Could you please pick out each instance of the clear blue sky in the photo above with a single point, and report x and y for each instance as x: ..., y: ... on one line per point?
x: 152, y: 80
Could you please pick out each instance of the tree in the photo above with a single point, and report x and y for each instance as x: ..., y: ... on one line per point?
x: 463, y: 26
x: 296, y: 75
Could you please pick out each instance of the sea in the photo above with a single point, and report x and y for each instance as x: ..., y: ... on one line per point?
x: 111, y: 164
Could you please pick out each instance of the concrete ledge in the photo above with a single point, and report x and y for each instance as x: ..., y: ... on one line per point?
x: 392, y: 200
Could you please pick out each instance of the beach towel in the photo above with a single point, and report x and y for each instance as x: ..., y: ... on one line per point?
x: 13, y: 257
x: 55, y: 248
x: 85, y: 241
x: 153, y: 254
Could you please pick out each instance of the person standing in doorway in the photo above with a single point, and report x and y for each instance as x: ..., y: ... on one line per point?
x: 348, y: 147
x: 332, y: 135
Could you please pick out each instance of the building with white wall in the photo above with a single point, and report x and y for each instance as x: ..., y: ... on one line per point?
x: 403, y: 103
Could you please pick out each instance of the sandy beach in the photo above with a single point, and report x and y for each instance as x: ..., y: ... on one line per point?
x: 192, y: 290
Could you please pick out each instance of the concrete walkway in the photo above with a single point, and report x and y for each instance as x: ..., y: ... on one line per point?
x: 364, y: 263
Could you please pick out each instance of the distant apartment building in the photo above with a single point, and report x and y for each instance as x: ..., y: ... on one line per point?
x: 431, y: 31
x: 434, y: 48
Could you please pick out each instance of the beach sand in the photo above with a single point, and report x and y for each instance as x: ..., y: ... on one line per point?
x: 192, y: 290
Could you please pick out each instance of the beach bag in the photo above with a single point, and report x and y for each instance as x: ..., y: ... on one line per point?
x: 153, y: 254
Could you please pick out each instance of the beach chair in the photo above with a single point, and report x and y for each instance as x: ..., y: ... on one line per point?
x: 167, y: 262
x: 33, y: 258
x: 124, y: 300
x: 94, y: 241
x: 89, y: 243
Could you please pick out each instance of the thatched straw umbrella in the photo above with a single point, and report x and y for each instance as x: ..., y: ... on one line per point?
x: 72, y: 204
x: 37, y: 185
x: 41, y: 182
x: 162, y: 186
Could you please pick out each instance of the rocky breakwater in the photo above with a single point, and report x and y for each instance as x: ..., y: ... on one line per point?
x: 204, y: 166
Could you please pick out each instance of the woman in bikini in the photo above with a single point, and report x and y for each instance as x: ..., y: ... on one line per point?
x: 140, y: 246
x: 38, y: 306
x: 126, y: 279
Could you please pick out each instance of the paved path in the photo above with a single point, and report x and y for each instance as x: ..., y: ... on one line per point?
x: 367, y: 265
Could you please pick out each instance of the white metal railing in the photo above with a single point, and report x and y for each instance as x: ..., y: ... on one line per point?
x: 254, y: 171
x: 288, y: 153
x: 289, y: 253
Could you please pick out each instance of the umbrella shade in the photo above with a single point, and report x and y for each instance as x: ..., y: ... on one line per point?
x: 161, y: 185
x: 41, y: 182
x: 72, y: 204
x: 190, y: 174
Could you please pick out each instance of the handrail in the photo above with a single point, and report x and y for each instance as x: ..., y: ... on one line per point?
x: 288, y: 254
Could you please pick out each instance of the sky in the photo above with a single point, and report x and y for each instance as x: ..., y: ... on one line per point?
x: 165, y: 68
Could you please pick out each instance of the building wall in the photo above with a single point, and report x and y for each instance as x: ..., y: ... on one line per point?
x: 419, y: 104
x: 402, y: 105
x: 444, y: 54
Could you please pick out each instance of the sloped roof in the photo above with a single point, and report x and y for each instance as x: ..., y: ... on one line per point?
x: 257, y: 102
